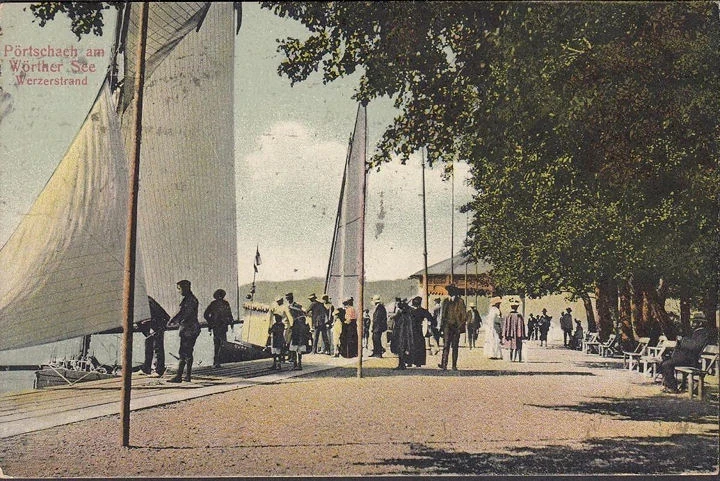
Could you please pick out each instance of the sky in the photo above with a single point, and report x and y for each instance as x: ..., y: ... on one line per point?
x: 287, y: 139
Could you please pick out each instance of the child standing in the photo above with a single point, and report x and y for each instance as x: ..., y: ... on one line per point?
x: 277, y: 341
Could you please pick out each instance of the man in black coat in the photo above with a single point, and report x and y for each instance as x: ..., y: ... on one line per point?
x: 154, y: 332
x: 319, y: 315
x: 379, y: 325
x: 189, y: 329
x: 687, y: 352
x: 218, y: 316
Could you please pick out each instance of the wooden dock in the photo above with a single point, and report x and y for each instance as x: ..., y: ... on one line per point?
x: 35, y: 410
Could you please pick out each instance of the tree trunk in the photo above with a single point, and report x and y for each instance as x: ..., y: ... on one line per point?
x: 587, y: 302
x: 710, y: 305
x: 625, y: 312
x: 656, y: 314
x: 602, y: 302
x: 639, y: 313
x: 685, y: 315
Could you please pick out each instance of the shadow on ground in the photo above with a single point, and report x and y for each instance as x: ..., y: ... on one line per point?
x: 350, y: 371
x: 661, y: 408
x: 679, y: 453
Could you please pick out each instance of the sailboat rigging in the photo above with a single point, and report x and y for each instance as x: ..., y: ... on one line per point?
x: 63, y: 274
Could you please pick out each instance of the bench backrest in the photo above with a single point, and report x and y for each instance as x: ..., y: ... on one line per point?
x: 610, y: 340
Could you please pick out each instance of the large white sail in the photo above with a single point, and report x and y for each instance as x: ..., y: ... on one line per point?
x: 346, y: 262
x: 186, y: 212
x: 62, y: 269
x: 168, y: 24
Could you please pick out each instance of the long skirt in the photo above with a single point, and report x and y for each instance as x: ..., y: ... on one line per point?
x: 492, y: 346
x: 349, y: 340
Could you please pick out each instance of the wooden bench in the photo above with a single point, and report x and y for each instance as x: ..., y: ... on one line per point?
x: 591, y: 343
x: 609, y: 348
x: 655, y: 355
x: 632, y: 359
x: 696, y: 376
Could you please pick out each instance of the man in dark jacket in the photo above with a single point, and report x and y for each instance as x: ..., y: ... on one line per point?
x: 154, y: 332
x: 453, y: 315
x: 218, y: 316
x: 379, y: 325
x: 186, y: 320
x: 319, y: 321
x: 687, y: 352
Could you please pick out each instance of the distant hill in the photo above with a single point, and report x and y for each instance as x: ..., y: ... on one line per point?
x: 267, y: 291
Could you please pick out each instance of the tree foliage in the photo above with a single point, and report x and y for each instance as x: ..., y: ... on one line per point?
x: 85, y: 17
x: 591, y: 128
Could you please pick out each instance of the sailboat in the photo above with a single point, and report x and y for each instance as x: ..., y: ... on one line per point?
x: 63, y: 266
x: 345, y: 272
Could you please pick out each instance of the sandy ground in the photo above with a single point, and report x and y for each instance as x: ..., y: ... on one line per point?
x: 561, y: 412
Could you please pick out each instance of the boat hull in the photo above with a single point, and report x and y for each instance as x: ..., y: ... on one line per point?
x: 60, y: 376
x: 238, y: 351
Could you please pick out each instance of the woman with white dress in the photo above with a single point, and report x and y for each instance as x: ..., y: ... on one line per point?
x: 493, y: 325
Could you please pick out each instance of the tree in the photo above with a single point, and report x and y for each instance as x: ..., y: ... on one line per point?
x: 591, y: 130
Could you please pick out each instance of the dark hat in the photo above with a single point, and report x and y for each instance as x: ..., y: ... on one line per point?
x: 544, y: 310
x: 325, y: 297
x: 312, y: 296
x: 219, y: 294
x: 577, y: 320
x: 417, y: 300
x: 184, y: 283
x: 289, y: 294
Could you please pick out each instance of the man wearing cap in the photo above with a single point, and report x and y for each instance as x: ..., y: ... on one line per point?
x: 687, y: 352
x: 566, y: 324
x: 330, y: 310
x: 186, y: 320
x: 379, y: 325
x: 318, y: 315
x: 454, y: 318
x: 473, y: 325
x: 218, y: 316
x: 514, y: 331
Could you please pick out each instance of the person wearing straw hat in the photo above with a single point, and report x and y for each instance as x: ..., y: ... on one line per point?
x: 687, y: 351
x: 514, y: 330
x: 493, y: 329
x: 379, y: 325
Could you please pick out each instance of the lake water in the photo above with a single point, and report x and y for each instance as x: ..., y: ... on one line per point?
x: 105, y: 347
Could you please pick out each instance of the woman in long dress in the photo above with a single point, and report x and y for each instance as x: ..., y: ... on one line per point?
x: 492, y: 347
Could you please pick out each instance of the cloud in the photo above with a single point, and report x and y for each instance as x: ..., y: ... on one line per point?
x: 288, y: 188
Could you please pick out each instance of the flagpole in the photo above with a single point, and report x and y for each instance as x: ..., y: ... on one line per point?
x: 361, y: 253
x: 131, y: 233
x: 452, y: 224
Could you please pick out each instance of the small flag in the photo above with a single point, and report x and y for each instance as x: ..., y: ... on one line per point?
x: 255, y: 267
x: 258, y: 261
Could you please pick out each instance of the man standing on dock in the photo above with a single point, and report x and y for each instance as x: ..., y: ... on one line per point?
x: 379, y: 326
x: 189, y: 329
x: 218, y: 316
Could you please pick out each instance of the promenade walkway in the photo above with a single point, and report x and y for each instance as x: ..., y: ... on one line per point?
x: 35, y: 410
x: 561, y: 412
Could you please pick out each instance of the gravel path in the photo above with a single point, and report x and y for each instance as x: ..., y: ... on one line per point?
x: 563, y: 412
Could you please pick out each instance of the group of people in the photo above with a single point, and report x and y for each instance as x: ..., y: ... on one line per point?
x: 217, y: 314
x: 291, y: 332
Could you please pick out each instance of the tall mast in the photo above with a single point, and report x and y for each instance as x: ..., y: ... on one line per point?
x: 361, y: 250
x: 452, y: 224
x: 131, y: 236
x: 425, y: 250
